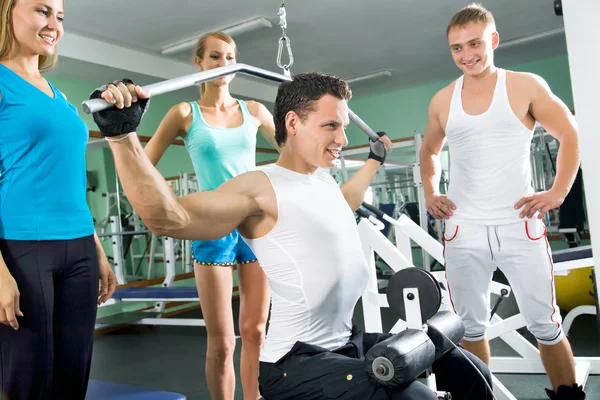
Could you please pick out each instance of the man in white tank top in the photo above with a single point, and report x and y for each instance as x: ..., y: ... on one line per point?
x: 301, y: 226
x: 493, y: 218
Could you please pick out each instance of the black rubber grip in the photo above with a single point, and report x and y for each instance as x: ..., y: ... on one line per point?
x: 363, y: 213
x: 374, y: 210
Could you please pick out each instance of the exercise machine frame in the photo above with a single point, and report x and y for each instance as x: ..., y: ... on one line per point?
x: 400, y: 256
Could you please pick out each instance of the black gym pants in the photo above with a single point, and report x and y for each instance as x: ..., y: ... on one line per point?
x: 310, y: 372
x: 49, y: 356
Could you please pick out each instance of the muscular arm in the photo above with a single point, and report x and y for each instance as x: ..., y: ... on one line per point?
x: 267, y: 125
x: 170, y: 127
x: 354, y: 190
x: 205, y: 215
x: 558, y: 121
x: 429, y: 155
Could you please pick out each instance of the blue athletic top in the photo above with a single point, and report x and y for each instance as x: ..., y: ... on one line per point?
x: 219, y: 154
x: 42, y: 164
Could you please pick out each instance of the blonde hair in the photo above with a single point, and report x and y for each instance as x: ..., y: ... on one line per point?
x: 472, y: 13
x: 7, y: 37
x: 200, y: 47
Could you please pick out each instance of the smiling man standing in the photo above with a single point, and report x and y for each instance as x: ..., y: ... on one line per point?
x: 493, y: 215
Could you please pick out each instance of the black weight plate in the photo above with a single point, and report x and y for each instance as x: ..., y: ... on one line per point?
x: 430, y: 294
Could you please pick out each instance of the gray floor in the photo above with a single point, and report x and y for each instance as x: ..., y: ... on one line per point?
x: 172, y: 358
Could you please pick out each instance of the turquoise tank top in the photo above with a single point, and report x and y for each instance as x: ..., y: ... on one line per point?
x: 219, y: 154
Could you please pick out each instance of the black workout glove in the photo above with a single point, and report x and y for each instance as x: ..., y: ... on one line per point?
x: 114, y: 121
x: 378, y: 151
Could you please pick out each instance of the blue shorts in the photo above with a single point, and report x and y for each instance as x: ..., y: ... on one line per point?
x: 227, y: 251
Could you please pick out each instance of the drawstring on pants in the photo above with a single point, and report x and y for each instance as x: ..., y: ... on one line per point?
x: 488, y: 239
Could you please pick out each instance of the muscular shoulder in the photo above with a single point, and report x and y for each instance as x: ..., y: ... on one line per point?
x: 250, y: 183
x: 253, y: 184
x: 442, y: 98
x: 257, y: 189
x: 440, y: 102
x: 527, y: 83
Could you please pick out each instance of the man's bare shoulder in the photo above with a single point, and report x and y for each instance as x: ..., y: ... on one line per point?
x: 250, y: 183
x: 254, y: 187
x: 443, y: 97
x: 526, y: 80
x: 257, y: 186
x: 527, y: 86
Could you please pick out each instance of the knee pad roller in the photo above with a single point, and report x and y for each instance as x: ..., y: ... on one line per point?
x: 400, y: 359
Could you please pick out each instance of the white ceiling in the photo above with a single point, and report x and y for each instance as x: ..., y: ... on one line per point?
x: 107, y: 38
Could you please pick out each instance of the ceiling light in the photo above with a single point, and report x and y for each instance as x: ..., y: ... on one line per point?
x: 238, y: 29
x: 372, y: 75
x: 530, y: 38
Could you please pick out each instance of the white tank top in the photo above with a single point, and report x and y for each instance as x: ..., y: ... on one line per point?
x: 490, y: 166
x: 313, y: 261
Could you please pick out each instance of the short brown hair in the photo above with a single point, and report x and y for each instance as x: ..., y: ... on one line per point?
x: 472, y: 13
x: 300, y: 94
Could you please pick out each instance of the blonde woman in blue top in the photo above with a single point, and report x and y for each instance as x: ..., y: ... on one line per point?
x: 51, y: 261
x: 219, y: 132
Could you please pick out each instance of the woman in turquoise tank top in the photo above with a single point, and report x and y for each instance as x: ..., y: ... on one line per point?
x: 220, y: 135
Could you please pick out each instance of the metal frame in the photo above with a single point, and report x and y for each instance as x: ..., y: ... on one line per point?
x: 116, y: 237
x: 112, y: 220
x: 418, y: 141
x: 117, y: 245
x: 372, y: 301
x: 159, y: 306
x: 417, y: 183
x: 160, y: 303
x: 414, y: 320
x: 399, y: 257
